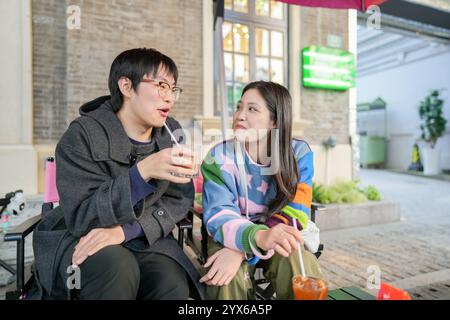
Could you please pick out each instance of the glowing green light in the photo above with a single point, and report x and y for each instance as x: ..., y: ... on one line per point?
x: 328, y: 68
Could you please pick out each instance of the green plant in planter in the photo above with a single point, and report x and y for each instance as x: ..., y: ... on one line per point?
x: 320, y: 194
x: 344, y: 192
x: 372, y: 193
x: 431, y: 114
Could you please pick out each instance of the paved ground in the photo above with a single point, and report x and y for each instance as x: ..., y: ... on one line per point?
x: 413, y: 254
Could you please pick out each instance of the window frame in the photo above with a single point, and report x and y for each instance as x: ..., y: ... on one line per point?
x: 254, y: 21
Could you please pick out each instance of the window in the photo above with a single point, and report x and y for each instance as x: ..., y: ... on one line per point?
x: 255, y: 44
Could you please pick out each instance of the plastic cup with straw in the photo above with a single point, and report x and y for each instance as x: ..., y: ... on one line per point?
x: 304, y: 287
x: 178, y: 145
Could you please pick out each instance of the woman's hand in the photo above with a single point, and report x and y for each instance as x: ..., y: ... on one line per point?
x: 175, y: 164
x: 225, y: 264
x: 96, y: 240
x: 282, y: 238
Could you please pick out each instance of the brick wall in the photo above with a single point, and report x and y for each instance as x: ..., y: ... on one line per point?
x: 327, y: 109
x: 49, y: 70
x: 83, y: 57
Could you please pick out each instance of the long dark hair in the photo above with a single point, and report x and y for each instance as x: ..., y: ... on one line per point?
x: 279, y: 104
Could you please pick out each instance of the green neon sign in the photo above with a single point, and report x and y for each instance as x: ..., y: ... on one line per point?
x: 328, y: 68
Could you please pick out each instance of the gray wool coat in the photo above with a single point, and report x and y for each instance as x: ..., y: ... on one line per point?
x: 92, y: 165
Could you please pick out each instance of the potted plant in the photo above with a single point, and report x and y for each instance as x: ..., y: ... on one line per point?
x: 433, y: 127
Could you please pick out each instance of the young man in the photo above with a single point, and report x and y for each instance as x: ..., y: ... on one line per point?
x: 122, y: 189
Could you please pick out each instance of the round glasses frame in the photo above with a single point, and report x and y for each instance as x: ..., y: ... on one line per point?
x: 164, y: 89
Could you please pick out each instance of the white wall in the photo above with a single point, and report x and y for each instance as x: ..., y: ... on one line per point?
x: 403, y: 88
x: 18, y: 169
x: 15, y: 63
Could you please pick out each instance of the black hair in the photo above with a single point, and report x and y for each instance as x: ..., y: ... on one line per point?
x: 279, y: 104
x: 134, y: 64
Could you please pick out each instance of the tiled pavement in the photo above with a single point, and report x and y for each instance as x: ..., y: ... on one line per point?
x: 413, y: 254
x: 438, y: 291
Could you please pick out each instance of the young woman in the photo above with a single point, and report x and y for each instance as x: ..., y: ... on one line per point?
x: 249, y: 207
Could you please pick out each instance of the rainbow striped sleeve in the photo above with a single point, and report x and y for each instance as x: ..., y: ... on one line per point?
x: 300, y: 207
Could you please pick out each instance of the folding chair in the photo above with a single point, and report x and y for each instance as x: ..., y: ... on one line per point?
x: 20, y: 232
x: 5, y: 209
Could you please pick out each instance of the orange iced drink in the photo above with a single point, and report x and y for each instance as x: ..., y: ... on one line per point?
x: 309, y: 288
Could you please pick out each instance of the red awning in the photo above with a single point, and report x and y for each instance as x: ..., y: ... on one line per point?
x: 336, y: 4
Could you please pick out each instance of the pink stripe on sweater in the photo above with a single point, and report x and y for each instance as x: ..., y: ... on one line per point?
x: 252, y: 206
x: 230, y: 229
x: 224, y: 212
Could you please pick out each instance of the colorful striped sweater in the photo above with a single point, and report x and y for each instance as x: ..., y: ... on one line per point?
x: 224, y: 197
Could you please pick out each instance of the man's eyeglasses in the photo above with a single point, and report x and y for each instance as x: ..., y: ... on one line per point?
x: 164, y: 89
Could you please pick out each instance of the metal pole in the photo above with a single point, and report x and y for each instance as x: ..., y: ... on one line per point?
x: 20, y: 265
x: 221, y: 69
x: 7, y: 267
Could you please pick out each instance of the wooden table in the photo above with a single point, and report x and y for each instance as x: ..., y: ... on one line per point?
x: 349, y: 293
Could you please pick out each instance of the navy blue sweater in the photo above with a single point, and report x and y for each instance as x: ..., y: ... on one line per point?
x: 139, y: 190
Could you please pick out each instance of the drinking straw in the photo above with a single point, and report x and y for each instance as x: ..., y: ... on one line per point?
x: 171, y: 134
x: 300, y: 256
x: 178, y: 145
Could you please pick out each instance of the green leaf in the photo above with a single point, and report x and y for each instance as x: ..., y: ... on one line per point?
x: 431, y: 115
x: 344, y: 192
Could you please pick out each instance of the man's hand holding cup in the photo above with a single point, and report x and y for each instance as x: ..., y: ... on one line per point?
x: 176, y: 164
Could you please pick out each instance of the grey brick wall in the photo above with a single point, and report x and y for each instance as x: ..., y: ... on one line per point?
x: 49, y: 69
x: 77, y: 62
x: 327, y: 109
x: 71, y: 67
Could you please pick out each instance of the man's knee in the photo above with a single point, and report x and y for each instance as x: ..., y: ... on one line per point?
x: 162, y: 278
x: 173, y: 287
x: 111, y: 273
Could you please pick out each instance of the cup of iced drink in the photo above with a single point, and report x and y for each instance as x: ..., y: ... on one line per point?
x: 309, y: 288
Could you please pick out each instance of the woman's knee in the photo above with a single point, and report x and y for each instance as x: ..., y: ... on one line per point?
x: 287, y: 267
x: 239, y: 288
x: 312, y: 265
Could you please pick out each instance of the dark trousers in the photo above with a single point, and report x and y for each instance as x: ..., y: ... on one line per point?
x: 116, y: 273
